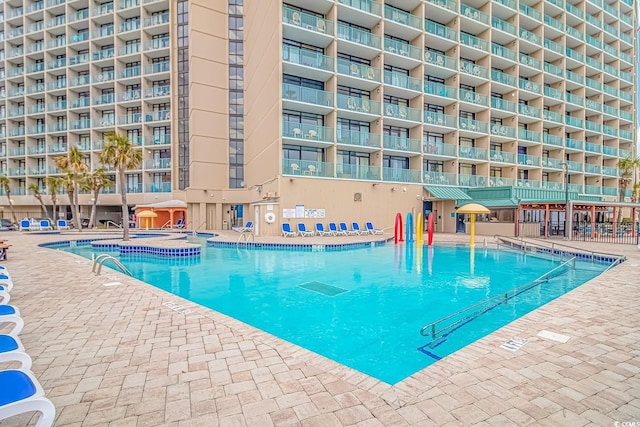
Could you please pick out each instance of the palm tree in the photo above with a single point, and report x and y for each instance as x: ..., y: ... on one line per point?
x: 4, y: 184
x: 627, y: 167
x: 122, y: 155
x: 95, y: 181
x: 73, y: 164
x: 53, y: 185
x: 36, y: 193
x: 635, y: 195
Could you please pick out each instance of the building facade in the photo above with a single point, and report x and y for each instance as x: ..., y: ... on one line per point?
x: 344, y: 110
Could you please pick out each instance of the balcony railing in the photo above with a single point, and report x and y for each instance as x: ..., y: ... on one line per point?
x: 307, y: 95
x: 359, y: 36
x: 308, y: 58
x: 357, y: 138
x: 306, y: 20
x: 309, y: 132
x: 356, y: 171
x: 356, y: 69
x: 393, y: 142
x: 401, y: 175
x: 307, y: 168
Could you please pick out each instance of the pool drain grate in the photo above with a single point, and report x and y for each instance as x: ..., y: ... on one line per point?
x: 323, y: 288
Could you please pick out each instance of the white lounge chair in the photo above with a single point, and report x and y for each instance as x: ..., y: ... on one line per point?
x: 62, y: 224
x: 248, y: 228
x: 25, y: 394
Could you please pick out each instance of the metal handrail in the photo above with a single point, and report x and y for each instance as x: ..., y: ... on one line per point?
x: 111, y: 222
x: 553, y: 246
x: 195, y: 230
x: 167, y: 224
x: 501, y: 298
x: 102, y: 258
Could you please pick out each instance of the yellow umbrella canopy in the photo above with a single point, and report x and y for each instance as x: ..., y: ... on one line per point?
x: 147, y: 214
x: 472, y: 209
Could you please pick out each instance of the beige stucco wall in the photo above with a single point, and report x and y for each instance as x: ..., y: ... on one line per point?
x: 263, y: 77
x: 208, y: 95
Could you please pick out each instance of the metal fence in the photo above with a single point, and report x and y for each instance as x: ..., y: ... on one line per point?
x: 625, y: 233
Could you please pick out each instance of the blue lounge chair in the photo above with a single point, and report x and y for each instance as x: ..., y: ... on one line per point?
x: 334, y: 229
x: 23, y: 393
x: 286, y: 230
x: 373, y: 230
x: 12, y: 349
x: 356, y: 228
x: 62, y: 224
x: 248, y: 228
x: 25, y: 225
x: 321, y: 231
x: 45, y: 225
x: 302, y: 230
x: 10, y: 314
x: 343, y: 228
x: 179, y: 224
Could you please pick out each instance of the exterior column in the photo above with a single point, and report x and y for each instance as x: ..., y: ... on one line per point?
x: 615, y: 215
x: 171, y: 218
x: 546, y: 221
x: 593, y: 221
x: 517, y: 228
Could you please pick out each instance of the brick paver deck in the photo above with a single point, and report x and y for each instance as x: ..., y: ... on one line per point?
x: 116, y: 356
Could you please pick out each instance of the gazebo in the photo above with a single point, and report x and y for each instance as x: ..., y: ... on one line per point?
x: 168, y: 213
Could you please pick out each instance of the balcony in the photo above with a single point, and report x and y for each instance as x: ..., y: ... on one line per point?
x: 476, y: 43
x: 83, y: 101
x: 441, y: 65
x: 465, y: 180
x: 471, y: 97
x: 609, y: 171
x: 358, y: 42
x: 308, y: 63
x: 573, y: 144
x: 157, y: 67
x: 592, y: 169
x: 474, y: 70
x: 161, y: 163
x: 528, y: 160
x: 432, y: 149
x: 552, y: 116
x: 441, y: 178
x: 528, y: 135
x: 79, y: 59
x: 435, y: 120
x: 160, y: 139
x: 500, y: 181
x: 154, y: 92
x: 126, y: 4
x: 158, y: 116
x: 439, y: 89
x: 103, y: 54
x: 57, y: 63
x: 129, y: 119
x: 401, y: 24
x: 400, y: 115
x: 104, y: 9
x: 354, y: 74
x: 306, y: 134
x: 132, y: 95
x: 474, y: 126
x: 132, y: 25
x: 130, y: 72
x: 108, y: 98
x: 574, y: 122
x: 57, y: 106
x: 56, y: 148
x: 357, y: 171
x: 401, y: 175
x: 501, y: 25
x: 307, y: 168
x: 160, y: 43
x: 158, y: 187
x: 404, y: 86
x: 401, y: 144
x: 81, y: 124
x: 497, y: 156
x: 306, y: 28
x: 440, y: 31
x: 311, y: 100
x: 473, y: 153
x: 358, y: 108
x: 157, y: 20
x: 38, y: 149
x: 402, y: 54
x: 106, y: 76
x: 57, y: 127
x: 365, y: 141
x: 500, y: 132
x: 503, y: 78
x: 551, y: 163
x: 529, y: 111
x: 79, y: 15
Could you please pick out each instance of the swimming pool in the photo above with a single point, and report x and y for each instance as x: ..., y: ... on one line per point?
x: 363, y: 308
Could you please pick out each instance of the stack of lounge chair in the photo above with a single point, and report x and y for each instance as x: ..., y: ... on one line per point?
x: 22, y: 392
x: 332, y: 230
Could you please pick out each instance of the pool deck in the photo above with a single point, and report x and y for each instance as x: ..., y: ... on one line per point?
x: 108, y: 352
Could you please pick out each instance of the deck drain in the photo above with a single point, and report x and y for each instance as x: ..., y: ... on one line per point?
x: 323, y: 288
x: 554, y: 336
x: 514, y: 343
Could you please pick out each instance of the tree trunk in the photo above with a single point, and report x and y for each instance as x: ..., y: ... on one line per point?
x: 125, y: 208
x: 94, y: 208
x: 74, y: 206
x: 43, y: 208
x: 13, y: 214
x: 623, y: 189
x: 71, y: 194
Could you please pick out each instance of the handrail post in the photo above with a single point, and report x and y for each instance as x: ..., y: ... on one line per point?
x: 433, y: 331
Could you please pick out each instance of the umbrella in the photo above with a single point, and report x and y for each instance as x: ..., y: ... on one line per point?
x: 147, y: 215
x: 473, y: 209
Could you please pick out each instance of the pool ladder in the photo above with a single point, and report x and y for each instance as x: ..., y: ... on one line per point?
x: 102, y: 258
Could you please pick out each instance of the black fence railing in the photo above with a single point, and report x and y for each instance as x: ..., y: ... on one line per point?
x: 625, y: 233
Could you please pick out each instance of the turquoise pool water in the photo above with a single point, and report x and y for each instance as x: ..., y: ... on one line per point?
x: 363, y: 308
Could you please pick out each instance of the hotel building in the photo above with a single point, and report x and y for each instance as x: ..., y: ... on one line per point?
x: 344, y: 110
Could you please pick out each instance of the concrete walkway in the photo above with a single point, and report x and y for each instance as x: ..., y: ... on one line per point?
x: 117, y: 356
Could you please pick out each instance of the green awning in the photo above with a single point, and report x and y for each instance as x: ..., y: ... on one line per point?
x: 498, y: 203
x: 447, y: 192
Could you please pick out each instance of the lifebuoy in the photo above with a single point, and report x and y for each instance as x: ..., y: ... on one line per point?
x: 270, y: 217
